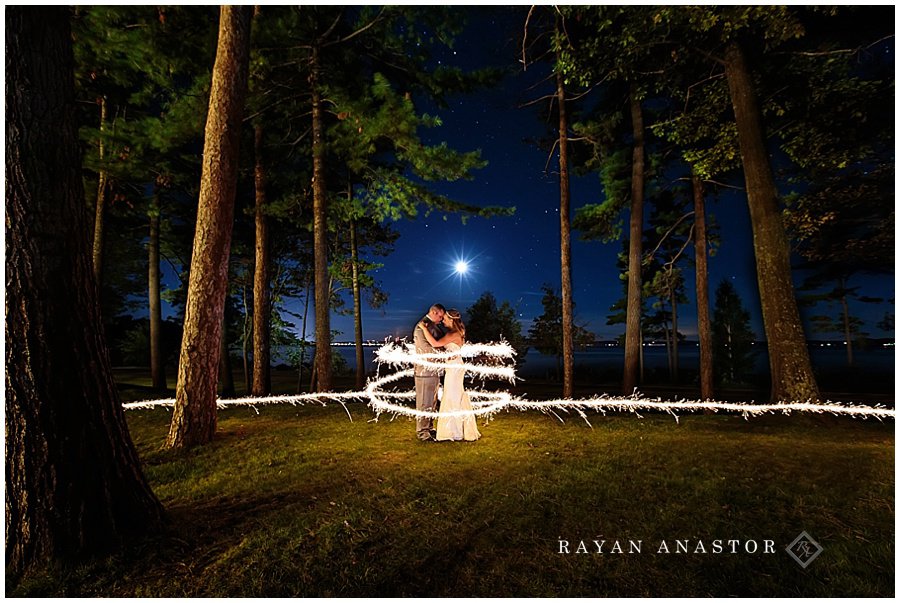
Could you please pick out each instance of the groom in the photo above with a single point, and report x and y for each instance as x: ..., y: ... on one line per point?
x: 427, y: 378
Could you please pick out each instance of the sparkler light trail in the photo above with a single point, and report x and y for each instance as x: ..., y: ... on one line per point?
x: 487, y: 404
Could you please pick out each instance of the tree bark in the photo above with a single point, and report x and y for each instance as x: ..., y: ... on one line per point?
x: 322, y: 372
x: 194, y: 417
x: 262, y: 384
x: 245, y: 341
x: 667, y: 333
x: 792, y: 375
x: 704, y: 326
x: 565, y: 245
x: 303, y: 333
x: 74, y: 484
x: 357, y: 309
x: 636, y: 226
x: 157, y: 362
x: 100, y: 206
x: 674, y: 335
x: 641, y: 356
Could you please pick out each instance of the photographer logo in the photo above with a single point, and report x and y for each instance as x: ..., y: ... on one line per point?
x: 804, y: 549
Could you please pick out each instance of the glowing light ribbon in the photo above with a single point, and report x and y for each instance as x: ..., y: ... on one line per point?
x: 489, y: 403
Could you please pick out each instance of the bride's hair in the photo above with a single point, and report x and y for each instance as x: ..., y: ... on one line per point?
x: 458, y: 324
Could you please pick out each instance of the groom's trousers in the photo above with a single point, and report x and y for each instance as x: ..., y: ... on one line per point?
x: 426, y: 398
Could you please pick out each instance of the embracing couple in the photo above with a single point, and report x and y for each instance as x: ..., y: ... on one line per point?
x: 443, y: 331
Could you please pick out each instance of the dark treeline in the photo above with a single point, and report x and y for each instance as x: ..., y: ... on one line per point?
x: 260, y: 156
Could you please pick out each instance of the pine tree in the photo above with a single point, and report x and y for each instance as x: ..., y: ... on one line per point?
x: 671, y: 230
x: 603, y: 48
x: 732, y: 336
x: 839, y: 293
x: 140, y: 64
x: 733, y: 39
x: 194, y: 417
x: 363, y: 238
x: 701, y: 253
x: 792, y: 375
x: 74, y: 484
x: 487, y: 322
x: 565, y: 229
x: 619, y: 309
x: 546, y: 332
x: 262, y: 310
x: 373, y: 63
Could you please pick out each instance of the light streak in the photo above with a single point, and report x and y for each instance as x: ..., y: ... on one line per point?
x: 486, y: 404
x: 405, y: 355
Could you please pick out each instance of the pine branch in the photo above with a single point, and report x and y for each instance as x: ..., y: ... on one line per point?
x: 650, y: 255
x: 711, y: 181
x: 690, y: 237
x: 331, y: 28
x: 350, y: 36
x: 537, y: 100
x: 550, y: 155
x: 174, y: 268
x: 688, y: 97
x: 708, y: 55
x: 525, y: 37
x: 824, y: 53
x: 588, y: 91
x: 717, y: 183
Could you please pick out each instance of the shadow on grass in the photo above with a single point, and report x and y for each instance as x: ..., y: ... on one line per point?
x: 300, y: 501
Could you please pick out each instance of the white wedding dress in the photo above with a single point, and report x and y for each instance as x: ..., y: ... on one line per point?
x: 455, y: 399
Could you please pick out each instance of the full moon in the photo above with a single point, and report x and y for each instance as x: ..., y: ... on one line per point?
x: 462, y: 267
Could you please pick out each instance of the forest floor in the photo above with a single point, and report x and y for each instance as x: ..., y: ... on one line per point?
x: 302, y: 501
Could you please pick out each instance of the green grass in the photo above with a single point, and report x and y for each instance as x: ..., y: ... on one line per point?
x: 300, y: 501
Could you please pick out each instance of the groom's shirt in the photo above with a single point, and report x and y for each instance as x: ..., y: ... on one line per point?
x: 423, y: 347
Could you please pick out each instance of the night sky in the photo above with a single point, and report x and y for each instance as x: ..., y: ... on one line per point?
x: 512, y: 257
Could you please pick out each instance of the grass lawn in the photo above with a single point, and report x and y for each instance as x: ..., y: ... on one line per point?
x: 300, y: 501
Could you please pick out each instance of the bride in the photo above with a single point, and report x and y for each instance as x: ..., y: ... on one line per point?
x: 454, y: 398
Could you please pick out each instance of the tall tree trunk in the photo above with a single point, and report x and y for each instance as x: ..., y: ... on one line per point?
x: 157, y: 362
x: 792, y: 375
x: 731, y: 360
x: 74, y: 484
x: 667, y: 333
x: 226, y: 374
x: 674, y: 336
x: 845, y: 314
x: 100, y: 206
x: 357, y: 309
x: 194, y: 417
x: 320, y: 231
x: 303, y: 334
x: 565, y: 245
x: 704, y: 326
x: 262, y: 384
x: 636, y: 226
x: 245, y: 341
x: 641, y: 355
